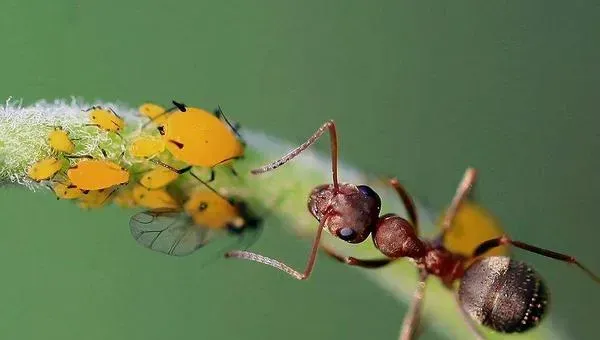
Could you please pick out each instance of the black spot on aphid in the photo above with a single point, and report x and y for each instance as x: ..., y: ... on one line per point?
x: 161, y: 130
x: 203, y: 206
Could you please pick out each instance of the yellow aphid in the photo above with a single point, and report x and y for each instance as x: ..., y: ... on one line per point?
x: 146, y: 146
x: 97, y: 174
x: 212, y: 211
x: 66, y: 191
x: 473, y: 225
x: 155, y: 112
x: 45, y: 169
x: 197, y: 137
x: 59, y: 141
x: 124, y: 198
x: 105, y: 119
x: 95, y: 198
x: 158, y: 178
x: 153, y: 199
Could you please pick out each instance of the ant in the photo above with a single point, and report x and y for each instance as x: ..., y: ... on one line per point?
x: 498, y: 292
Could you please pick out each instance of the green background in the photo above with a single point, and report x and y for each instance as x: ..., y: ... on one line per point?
x: 419, y: 91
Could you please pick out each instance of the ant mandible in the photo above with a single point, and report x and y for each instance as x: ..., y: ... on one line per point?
x: 497, y: 292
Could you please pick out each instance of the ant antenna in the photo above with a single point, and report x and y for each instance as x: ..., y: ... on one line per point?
x: 330, y: 126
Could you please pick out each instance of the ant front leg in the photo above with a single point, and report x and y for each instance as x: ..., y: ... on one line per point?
x: 352, y: 261
x: 504, y: 240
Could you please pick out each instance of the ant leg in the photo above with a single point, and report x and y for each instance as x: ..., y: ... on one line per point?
x: 462, y: 191
x: 499, y: 241
x: 408, y: 202
x: 352, y: 261
x: 467, y: 319
x: 411, y: 321
x: 246, y: 255
x: 329, y: 125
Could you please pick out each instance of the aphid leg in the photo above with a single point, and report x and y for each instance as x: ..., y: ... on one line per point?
x: 79, y: 156
x: 412, y: 319
x: 330, y: 126
x: 408, y: 202
x: 113, y: 112
x: 467, y: 318
x: 246, y: 255
x: 53, y: 192
x: 178, y: 171
x: 91, y: 108
x: 232, y: 169
x: 220, y: 114
x: 104, y: 153
x: 504, y: 240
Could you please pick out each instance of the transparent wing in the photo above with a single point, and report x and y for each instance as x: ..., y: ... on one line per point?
x: 168, y: 231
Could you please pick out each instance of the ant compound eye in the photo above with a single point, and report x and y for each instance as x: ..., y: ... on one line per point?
x: 346, y: 234
x: 367, y: 191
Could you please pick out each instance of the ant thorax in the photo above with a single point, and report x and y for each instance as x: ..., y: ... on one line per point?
x: 441, y: 262
x: 351, y: 211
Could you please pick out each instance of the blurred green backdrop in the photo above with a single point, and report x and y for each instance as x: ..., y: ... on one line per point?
x: 420, y: 91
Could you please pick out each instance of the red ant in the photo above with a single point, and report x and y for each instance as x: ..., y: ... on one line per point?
x: 497, y: 292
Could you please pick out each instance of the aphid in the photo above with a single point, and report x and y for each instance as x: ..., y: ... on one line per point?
x: 158, y: 178
x: 153, y: 199
x: 155, y: 112
x: 177, y: 233
x: 497, y: 292
x: 45, y: 169
x: 199, y: 138
x: 96, y: 174
x: 213, y: 211
x: 95, y: 199
x: 124, y: 198
x: 146, y: 146
x: 59, y: 141
x: 66, y: 191
x: 105, y: 119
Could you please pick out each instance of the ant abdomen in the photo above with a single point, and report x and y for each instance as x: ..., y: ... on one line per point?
x: 503, y: 294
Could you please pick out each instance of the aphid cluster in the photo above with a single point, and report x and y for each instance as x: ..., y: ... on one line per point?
x: 498, y: 292
x: 145, y: 173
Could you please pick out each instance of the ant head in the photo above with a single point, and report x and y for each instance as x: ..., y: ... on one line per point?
x: 503, y: 294
x: 350, y: 211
